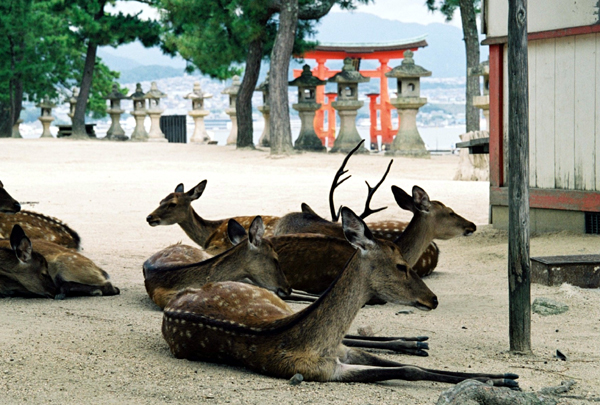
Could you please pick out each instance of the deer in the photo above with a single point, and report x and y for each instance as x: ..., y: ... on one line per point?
x: 8, y: 205
x: 74, y: 274
x: 240, y: 324
x: 251, y: 257
x: 176, y: 208
x: 431, y: 220
x: 38, y: 226
x: 23, y: 271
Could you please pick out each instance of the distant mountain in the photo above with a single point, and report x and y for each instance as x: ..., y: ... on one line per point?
x: 149, y: 73
x: 444, y: 56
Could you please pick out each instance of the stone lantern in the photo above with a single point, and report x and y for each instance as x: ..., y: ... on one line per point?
x: 232, y: 91
x: 306, y: 107
x: 408, y: 141
x: 16, y: 133
x: 483, y: 101
x: 198, y: 113
x: 139, y: 113
x: 154, y: 111
x: 72, y: 103
x: 265, y: 110
x: 347, y: 105
x: 46, y: 116
x: 115, y: 132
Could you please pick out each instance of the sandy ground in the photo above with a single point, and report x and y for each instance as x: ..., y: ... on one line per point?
x: 110, y: 349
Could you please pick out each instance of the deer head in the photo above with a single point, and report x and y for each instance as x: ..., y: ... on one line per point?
x: 440, y: 220
x: 8, y: 205
x: 390, y: 278
x: 175, y: 208
x: 259, y: 256
x: 25, y: 268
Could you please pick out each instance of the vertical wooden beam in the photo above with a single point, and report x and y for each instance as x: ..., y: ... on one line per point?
x: 518, y: 182
x: 496, y: 114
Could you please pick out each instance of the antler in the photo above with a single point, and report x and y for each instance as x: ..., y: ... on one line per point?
x: 336, y: 215
x: 368, y: 211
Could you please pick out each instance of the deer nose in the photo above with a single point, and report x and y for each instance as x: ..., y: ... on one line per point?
x: 469, y: 230
x: 149, y: 218
x: 17, y: 207
x: 435, y: 302
x: 282, y: 293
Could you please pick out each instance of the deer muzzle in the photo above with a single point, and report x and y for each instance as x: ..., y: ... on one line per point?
x: 470, y: 229
x: 152, y: 220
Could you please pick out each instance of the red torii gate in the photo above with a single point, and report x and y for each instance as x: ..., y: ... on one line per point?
x: 382, y: 52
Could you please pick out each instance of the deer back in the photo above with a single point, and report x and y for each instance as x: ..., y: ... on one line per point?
x: 40, y: 227
x: 8, y: 205
x: 252, y: 257
x: 73, y: 273
x: 23, y: 271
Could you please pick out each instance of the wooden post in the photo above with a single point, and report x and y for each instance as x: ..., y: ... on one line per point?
x: 518, y: 180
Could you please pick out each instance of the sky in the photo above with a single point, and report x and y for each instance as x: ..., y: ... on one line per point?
x: 413, y: 11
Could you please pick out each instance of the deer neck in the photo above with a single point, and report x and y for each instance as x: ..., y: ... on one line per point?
x: 415, y: 239
x: 229, y: 265
x: 324, y: 323
x: 198, y: 228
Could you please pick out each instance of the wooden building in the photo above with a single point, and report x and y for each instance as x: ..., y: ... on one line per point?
x: 564, y: 113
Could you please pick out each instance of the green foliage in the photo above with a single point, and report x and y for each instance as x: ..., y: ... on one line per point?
x: 448, y: 7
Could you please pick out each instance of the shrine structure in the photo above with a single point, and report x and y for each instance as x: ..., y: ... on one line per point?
x: 380, y: 112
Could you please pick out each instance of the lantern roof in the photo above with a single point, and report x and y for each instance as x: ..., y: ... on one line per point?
x: 408, y: 68
x: 234, y: 88
x: 197, y: 93
x: 306, y: 79
x: 46, y: 103
x: 138, y: 94
x: 154, y: 92
x: 348, y: 74
x: 115, y: 94
x: 264, y: 86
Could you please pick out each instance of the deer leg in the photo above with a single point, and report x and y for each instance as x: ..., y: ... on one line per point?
x: 301, y: 296
x: 360, y: 366
x: 70, y: 288
x: 387, y: 338
x: 414, y: 348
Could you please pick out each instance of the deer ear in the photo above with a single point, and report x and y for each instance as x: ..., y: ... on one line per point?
x: 307, y: 210
x: 355, y: 230
x: 256, y: 231
x: 21, y: 244
x: 179, y: 188
x: 421, y: 199
x: 197, y: 191
x: 1, y: 185
x: 403, y: 200
x: 235, y: 231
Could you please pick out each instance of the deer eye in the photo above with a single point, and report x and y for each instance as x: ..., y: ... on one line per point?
x: 171, y: 205
x: 402, y: 268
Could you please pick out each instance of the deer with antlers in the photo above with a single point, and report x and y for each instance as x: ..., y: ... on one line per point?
x: 236, y: 323
x: 252, y: 257
x: 23, y: 271
x: 431, y: 220
x: 176, y: 208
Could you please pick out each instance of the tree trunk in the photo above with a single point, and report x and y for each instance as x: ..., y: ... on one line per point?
x: 244, y: 98
x: 281, y: 131
x: 84, y: 93
x: 5, y: 118
x: 471, y: 38
x: 519, y: 275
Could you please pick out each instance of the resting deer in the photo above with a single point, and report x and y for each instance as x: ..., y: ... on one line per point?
x: 8, y: 205
x: 23, y: 271
x: 431, y: 220
x: 74, y: 274
x: 251, y: 257
x: 176, y: 208
x: 38, y: 226
x: 231, y: 322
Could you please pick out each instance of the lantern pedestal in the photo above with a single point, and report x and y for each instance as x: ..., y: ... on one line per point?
x: 308, y: 139
x: 265, y: 137
x: 348, y: 136
x: 232, y: 138
x: 15, y: 129
x: 408, y: 141
x: 115, y: 132
x: 139, y: 133
x: 200, y: 135
x: 46, y: 120
x: 155, y: 134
